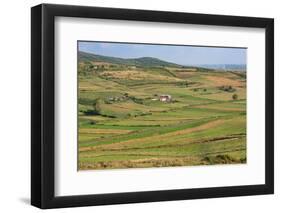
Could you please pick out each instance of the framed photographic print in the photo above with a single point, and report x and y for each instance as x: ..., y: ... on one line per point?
x: 139, y: 106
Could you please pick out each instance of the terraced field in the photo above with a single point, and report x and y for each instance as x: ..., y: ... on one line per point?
x: 123, y: 123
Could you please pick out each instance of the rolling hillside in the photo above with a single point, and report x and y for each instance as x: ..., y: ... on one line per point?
x: 145, y: 112
x: 143, y: 61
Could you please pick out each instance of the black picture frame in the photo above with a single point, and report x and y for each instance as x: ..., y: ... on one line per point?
x: 43, y: 102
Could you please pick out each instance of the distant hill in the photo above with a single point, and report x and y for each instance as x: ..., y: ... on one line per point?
x: 229, y: 67
x: 143, y: 61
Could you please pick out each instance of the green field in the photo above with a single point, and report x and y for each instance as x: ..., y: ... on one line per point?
x: 123, y: 123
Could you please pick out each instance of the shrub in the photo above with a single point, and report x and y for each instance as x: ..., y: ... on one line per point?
x: 243, y: 160
x: 234, y: 96
x: 220, y: 159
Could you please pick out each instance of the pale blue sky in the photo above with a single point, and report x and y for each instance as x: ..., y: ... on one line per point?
x: 184, y: 55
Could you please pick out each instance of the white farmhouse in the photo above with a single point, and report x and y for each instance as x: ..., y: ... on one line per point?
x: 165, y: 98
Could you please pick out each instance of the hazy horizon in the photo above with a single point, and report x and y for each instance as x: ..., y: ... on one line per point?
x: 179, y: 54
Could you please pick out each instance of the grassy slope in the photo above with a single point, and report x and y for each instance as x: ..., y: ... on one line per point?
x: 203, y: 125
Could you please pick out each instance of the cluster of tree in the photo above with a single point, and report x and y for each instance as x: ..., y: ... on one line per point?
x: 183, y: 84
x: 136, y: 100
x: 227, y: 88
x: 84, y: 69
x: 197, y: 89
x: 96, y: 110
x: 88, y: 68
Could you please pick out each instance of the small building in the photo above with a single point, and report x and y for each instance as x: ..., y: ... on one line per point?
x: 165, y: 98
